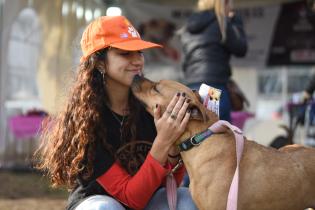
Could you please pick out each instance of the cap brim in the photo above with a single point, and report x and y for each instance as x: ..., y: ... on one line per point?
x: 134, y: 45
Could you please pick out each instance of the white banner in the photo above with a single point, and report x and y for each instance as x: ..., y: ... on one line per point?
x: 259, y: 25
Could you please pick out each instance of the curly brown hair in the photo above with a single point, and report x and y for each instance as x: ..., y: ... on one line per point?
x: 68, y: 140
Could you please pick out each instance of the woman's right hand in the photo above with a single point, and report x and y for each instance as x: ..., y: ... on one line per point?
x: 170, y: 126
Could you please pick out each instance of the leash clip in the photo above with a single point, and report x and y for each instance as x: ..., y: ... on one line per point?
x: 178, y: 165
x: 193, y: 141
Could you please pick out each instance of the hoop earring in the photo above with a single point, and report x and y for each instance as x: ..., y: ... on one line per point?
x: 103, y: 76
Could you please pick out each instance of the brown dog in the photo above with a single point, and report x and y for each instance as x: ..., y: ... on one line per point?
x: 270, y: 179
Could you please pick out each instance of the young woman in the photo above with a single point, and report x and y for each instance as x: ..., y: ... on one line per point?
x: 104, y: 146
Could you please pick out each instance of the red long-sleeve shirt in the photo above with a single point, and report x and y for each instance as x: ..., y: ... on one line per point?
x: 135, y: 191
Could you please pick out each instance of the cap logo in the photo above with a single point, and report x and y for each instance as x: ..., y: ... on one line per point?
x: 133, y: 32
x: 124, y: 35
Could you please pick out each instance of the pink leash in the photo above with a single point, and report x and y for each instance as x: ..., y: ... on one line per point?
x: 221, y: 126
x: 171, y: 191
x: 218, y: 127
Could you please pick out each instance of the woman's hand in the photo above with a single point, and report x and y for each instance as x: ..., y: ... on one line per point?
x: 169, y: 126
x: 173, y: 154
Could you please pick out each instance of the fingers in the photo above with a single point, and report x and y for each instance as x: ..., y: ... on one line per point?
x: 183, y: 115
x: 171, y: 105
x: 182, y: 112
x: 157, y: 112
x: 185, y: 120
x: 176, y: 110
x: 178, y: 106
x: 179, y: 111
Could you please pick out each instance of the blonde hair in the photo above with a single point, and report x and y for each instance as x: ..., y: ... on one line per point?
x: 205, y: 5
x: 219, y: 9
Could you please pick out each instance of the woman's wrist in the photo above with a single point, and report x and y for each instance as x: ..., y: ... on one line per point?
x: 174, y: 152
x: 159, y: 151
x: 173, y: 159
x: 174, y: 156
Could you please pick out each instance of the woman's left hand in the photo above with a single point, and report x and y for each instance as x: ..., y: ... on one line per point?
x: 170, y: 126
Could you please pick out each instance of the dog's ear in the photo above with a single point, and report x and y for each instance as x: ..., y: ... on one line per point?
x: 197, y: 111
x: 197, y: 95
x: 198, y: 114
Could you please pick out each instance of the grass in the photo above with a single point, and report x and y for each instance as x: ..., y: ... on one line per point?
x: 29, y: 190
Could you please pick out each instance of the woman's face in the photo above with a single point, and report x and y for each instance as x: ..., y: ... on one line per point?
x: 123, y: 65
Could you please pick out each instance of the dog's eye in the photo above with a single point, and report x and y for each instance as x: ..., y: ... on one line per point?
x: 155, y: 88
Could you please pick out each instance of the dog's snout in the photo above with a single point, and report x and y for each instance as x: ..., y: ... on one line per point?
x: 136, y: 83
x: 137, y: 78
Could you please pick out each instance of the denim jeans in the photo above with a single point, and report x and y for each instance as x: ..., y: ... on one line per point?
x: 157, y: 202
x: 99, y: 202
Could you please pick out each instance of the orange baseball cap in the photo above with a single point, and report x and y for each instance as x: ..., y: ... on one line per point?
x: 112, y: 31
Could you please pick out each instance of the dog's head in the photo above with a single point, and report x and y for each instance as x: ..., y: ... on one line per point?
x: 151, y: 93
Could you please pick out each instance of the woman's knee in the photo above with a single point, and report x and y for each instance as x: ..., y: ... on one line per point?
x: 100, y: 202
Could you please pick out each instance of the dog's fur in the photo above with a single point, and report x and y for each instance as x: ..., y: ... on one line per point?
x: 270, y: 179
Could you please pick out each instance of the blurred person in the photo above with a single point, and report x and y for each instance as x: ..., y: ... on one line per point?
x: 105, y: 147
x: 307, y: 94
x: 309, y: 90
x: 210, y: 37
x: 311, y: 5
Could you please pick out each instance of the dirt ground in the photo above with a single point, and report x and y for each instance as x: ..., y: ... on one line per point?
x: 29, y: 191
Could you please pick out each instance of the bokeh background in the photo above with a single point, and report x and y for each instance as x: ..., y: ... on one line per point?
x: 39, y: 53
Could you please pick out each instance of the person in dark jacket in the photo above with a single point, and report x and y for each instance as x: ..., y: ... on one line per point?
x: 209, y: 39
x: 309, y: 90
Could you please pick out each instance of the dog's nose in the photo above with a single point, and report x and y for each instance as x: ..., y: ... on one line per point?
x: 135, y: 85
x: 137, y: 78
